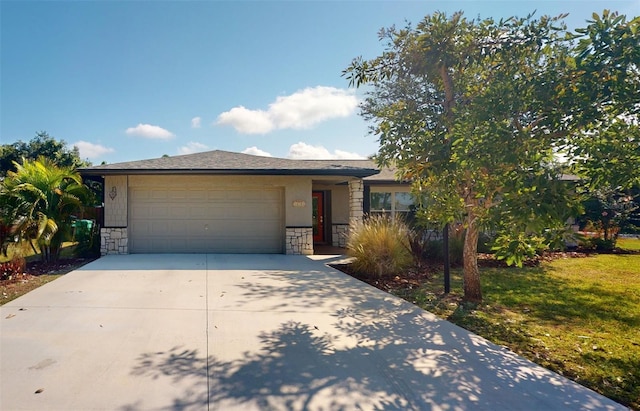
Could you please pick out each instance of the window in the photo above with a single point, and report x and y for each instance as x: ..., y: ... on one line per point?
x: 381, y: 203
x: 392, y: 204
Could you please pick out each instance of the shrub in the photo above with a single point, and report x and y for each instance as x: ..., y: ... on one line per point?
x: 456, y: 249
x: 428, y: 249
x: 87, y: 234
x: 423, y: 247
x: 434, y: 251
x: 485, y: 240
x: 601, y: 244
x: 515, y: 248
x: 380, y: 246
x: 13, y: 268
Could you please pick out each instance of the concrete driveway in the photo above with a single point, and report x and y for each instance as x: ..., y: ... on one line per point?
x: 245, y: 332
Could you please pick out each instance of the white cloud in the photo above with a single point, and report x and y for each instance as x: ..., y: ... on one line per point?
x: 346, y: 155
x: 256, y: 152
x: 195, y: 122
x: 301, y: 151
x: 91, y: 150
x: 149, y: 131
x: 300, y: 110
x: 192, y: 147
x: 247, y: 121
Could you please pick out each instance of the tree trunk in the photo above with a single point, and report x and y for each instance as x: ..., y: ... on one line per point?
x: 54, y: 253
x: 471, y: 278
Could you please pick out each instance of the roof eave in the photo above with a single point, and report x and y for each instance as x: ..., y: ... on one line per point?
x: 279, y: 172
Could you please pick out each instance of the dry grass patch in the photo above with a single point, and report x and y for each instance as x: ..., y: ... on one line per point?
x: 11, y: 290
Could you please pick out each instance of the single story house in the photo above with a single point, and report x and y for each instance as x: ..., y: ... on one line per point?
x: 224, y: 202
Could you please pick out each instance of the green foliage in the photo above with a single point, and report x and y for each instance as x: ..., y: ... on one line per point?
x: 42, y: 145
x: 514, y: 249
x: 609, y: 154
x: 456, y: 247
x: 419, y: 241
x: 426, y: 248
x: 485, y: 241
x: 40, y: 200
x: 6, y: 235
x: 559, y: 238
x: 434, y: 251
x: 605, y: 86
x: 602, y: 244
x: 87, y: 234
x: 606, y: 60
x: 607, y: 212
x: 474, y: 112
x: 380, y: 246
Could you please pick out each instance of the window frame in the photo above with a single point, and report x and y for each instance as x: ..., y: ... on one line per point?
x: 393, y: 212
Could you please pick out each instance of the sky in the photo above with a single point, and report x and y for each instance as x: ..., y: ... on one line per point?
x: 133, y: 80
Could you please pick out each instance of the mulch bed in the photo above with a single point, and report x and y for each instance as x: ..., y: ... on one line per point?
x: 36, y: 268
x: 415, y: 277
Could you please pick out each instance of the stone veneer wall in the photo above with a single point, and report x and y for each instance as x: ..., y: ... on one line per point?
x: 356, y: 200
x: 339, y: 234
x: 299, y: 240
x: 114, y: 241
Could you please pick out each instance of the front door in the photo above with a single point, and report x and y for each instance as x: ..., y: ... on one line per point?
x: 318, y: 216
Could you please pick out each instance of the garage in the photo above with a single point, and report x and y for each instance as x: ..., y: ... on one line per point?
x: 196, y: 219
x: 221, y: 202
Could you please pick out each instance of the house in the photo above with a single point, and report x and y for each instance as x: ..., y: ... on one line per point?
x: 223, y: 202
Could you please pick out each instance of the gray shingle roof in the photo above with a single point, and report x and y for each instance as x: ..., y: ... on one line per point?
x: 225, y: 162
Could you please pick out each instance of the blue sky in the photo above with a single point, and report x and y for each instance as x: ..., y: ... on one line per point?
x: 131, y: 80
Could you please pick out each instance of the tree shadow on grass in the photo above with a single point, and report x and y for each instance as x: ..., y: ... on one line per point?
x: 557, y: 300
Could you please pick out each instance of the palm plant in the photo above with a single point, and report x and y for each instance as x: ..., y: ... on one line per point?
x: 40, y: 199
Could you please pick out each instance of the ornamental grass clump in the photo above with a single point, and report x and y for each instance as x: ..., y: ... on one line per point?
x: 380, y: 246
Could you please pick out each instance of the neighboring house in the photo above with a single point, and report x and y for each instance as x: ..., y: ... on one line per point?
x: 223, y: 202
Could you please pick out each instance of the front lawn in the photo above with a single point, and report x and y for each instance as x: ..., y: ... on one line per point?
x: 630, y: 244
x: 579, y: 317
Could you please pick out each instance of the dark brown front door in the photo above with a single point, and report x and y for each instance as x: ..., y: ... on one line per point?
x: 318, y: 216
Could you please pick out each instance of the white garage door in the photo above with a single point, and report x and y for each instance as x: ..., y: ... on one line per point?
x: 192, y: 220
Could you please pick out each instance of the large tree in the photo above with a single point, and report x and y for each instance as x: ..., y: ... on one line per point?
x: 42, y: 145
x: 606, y: 88
x: 39, y: 200
x: 474, y: 112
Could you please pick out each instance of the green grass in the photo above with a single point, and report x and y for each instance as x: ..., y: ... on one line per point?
x: 579, y: 317
x: 24, y: 249
x: 632, y: 244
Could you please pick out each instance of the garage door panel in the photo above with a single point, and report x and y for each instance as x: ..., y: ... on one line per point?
x: 158, y: 195
x: 196, y: 220
x: 208, y: 245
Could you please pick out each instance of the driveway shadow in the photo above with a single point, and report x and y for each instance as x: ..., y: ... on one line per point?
x: 397, y: 357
